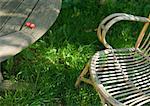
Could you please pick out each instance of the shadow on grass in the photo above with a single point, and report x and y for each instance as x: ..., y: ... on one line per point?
x: 52, y: 64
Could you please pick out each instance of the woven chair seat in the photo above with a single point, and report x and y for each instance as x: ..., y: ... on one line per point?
x: 123, y: 74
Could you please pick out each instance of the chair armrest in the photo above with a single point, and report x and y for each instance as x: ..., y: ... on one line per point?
x: 105, y: 25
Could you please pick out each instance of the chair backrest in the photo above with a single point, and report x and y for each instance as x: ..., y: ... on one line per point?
x: 143, y: 42
x: 114, y: 18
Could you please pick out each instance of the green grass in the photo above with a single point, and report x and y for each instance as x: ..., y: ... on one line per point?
x: 51, y: 65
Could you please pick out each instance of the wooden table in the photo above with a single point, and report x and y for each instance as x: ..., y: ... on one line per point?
x: 14, y: 35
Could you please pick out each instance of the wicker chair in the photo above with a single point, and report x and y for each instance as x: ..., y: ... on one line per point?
x: 121, y: 76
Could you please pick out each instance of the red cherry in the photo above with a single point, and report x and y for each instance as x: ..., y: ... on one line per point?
x: 32, y: 26
x: 28, y: 24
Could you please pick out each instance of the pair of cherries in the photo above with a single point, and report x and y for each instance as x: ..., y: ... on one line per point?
x: 30, y: 25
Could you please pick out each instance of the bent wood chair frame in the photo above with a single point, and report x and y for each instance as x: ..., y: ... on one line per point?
x: 121, y: 76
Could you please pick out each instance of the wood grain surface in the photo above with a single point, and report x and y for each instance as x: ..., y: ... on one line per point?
x: 14, y: 35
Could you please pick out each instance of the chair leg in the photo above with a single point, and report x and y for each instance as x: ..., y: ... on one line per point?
x: 89, y: 81
x: 103, y: 102
x: 82, y: 78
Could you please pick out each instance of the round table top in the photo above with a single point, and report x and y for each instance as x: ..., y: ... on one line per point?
x: 14, y: 14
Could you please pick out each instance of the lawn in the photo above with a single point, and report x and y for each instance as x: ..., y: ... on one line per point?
x: 50, y: 66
